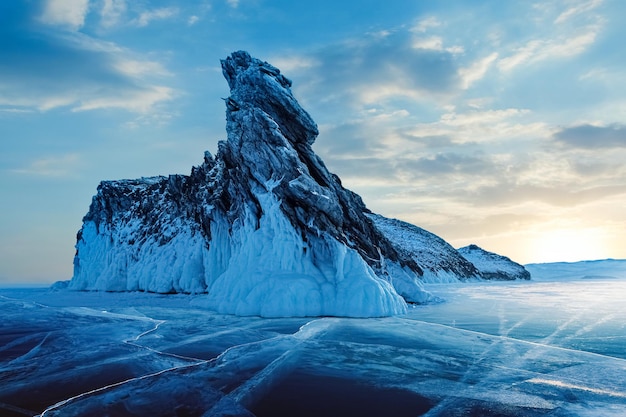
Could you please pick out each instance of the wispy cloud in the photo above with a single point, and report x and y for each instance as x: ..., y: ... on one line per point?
x: 137, y: 101
x: 193, y: 20
x: 589, y: 136
x: 372, y: 70
x: 435, y: 43
x: 557, y: 39
x: 477, y: 70
x: 52, y: 166
x: 67, y: 13
x: 425, y: 24
x: 15, y: 110
x: 112, y: 12
x: 578, y: 9
x: 137, y: 68
x: 538, y: 50
x: 146, y: 17
x: 78, y: 71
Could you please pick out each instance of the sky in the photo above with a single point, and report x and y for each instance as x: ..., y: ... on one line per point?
x: 501, y: 124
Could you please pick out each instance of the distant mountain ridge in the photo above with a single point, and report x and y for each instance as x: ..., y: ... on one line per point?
x: 595, y: 269
x: 263, y: 227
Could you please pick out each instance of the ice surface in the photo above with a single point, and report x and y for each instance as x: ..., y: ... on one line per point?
x: 492, y: 349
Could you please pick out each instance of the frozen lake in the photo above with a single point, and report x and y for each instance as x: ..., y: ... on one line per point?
x: 538, y: 348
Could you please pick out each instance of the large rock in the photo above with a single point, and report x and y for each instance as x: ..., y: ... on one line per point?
x: 263, y: 228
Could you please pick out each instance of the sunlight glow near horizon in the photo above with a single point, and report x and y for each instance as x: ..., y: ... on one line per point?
x: 569, y: 245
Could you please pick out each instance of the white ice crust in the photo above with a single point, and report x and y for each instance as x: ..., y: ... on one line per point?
x: 266, y: 271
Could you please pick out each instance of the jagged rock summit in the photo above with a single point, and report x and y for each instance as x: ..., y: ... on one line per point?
x: 263, y: 228
x: 494, y: 266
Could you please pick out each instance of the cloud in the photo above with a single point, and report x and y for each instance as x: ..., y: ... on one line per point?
x: 476, y: 117
x: 450, y: 163
x: 427, y: 23
x: 15, y: 110
x: 557, y: 40
x: 289, y: 64
x: 581, y: 8
x: 481, y: 126
x: 429, y: 142
x: 372, y: 70
x: 477, y: 70
x: 596, y: 167
x: 588, y: 136
x: 52, y: 166
x: 509, y: 193
x: 139, y: 100
x: 435, y: 43
x: 137, y: 68
x: 192, y: 20
x: 536, y: 50
x: 112, y: 12
x: 52, y: 69
x: 148, y: 16
x: 67, y: 13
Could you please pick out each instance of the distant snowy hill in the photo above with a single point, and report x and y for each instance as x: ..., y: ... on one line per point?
x: 599, y: 269
x: 263, y: 228
x: 493, y: 266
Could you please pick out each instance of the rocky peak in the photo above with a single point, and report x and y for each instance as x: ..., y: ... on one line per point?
x: 270, y: 138
x: 255, y: 84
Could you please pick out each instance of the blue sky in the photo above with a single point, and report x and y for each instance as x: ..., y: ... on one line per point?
x: 488, y: 122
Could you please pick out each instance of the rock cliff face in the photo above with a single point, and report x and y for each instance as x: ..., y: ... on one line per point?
x: 263, y: 228
x: 494, y: 266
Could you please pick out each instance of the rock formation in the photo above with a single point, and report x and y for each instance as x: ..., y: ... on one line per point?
x: 263, y: 228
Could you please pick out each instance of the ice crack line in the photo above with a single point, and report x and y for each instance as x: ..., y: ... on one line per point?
x: 157, y: 324
x: 117, y: 384
x: 132, y: 342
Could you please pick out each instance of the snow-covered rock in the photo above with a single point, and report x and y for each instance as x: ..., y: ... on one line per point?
x: 494, y: 266
x: 437, y: 258
x: 263, y: 227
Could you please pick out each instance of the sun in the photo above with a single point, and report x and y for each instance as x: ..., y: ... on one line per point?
x: 569, y: 245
